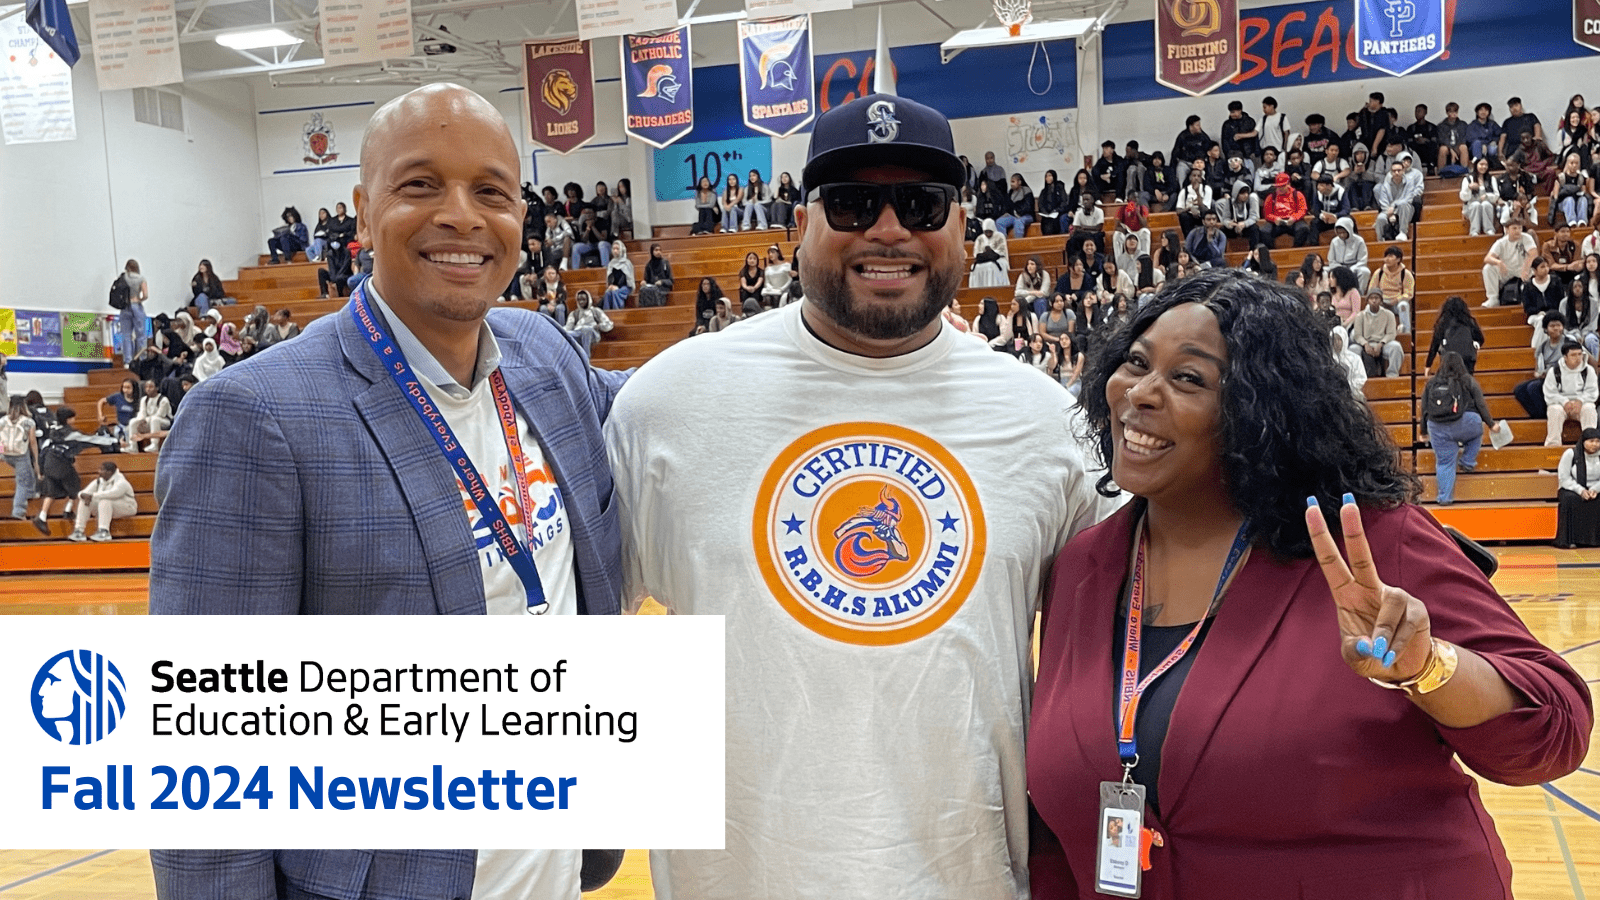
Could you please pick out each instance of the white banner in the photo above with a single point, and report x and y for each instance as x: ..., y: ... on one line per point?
x: 135, y: 43
x: 195, y: 732
x: 614, y: 18
x: 362, y: 31
x: 35, y: 87
x: 771, y: 9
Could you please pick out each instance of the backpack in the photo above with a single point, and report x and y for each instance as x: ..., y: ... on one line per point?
x: 14, y: 435
x: 589, y: 259
x: 120, y: 293
x: 1440, y: 401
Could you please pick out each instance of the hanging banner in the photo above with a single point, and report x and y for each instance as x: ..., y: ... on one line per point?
x: 766, y: 9
x: 364, y: 31
x: 558, y: 77
x: 775, y: 84
x: 615, y: 18
x: 38, y: 333
x: 35, y: 87
x: 135, y: 43
x: 1586, y: 23
x: 657, y: 86
x: 1399, y: 36
x: 8, y: 332
x: 1197, y: 44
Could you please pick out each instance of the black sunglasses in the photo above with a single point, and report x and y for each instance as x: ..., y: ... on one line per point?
x: 855, y: 206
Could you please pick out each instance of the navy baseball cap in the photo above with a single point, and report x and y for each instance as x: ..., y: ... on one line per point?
x: 881, y: 129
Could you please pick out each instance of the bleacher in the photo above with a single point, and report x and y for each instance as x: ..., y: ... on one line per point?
x: 1511, y: 496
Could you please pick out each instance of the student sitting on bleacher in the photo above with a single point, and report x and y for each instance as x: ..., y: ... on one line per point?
x: 1508, y: 261
x: 1348, y: 250
x: 619, y: 278
x: 1019, y: 207
x: 1373, y: 332
x: 1546, y: 344
x: 1578, y: 498
x: 1088, y: 223
x: 1349, y: 358
x: 1542, y: 293
x: 1240, y: 215
x: 1398, y: 285
x: 1580, y: 309
x: 587, y: 322
x: 1208, y: 245
x: 154, y: 414
x: 1570, y: 390
x: 1326, y: 206
x: 108, y: 497
x: 990, y: 258
x: 550, y: 292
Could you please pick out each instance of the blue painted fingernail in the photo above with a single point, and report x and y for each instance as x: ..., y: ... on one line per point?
x: 1380, y: 646
x: 1364, y: 647
x: 1349, y: 498
x: 1311, y: 502
x: 1388, y: 660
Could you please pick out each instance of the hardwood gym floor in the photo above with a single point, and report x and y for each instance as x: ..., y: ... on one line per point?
x: 1551, y: 831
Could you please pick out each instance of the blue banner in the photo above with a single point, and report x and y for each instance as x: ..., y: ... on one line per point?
x: 680, y: 168
x: 776, y: 86
x: 657, y: 86
x: 1399, y: 36
x: 1315, y: 43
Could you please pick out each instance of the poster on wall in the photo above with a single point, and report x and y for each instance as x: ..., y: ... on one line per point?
x: 678, y: 169
x: 1399, y: 38
x: 8, y: 332
x: 363, y: 31
x: 558, y: 82
x: 82, y: 335
x: 38, y: 333
x: 1586, y: 23
x: 1197, y: 44
x: 657, y: 86
x: 766, y: 9
x: 35, y: 86
x: 775, y: 84
x: 615, y: 18
x: 135, y: 43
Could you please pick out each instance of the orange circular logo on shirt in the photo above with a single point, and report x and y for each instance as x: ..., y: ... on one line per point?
x: 868, y: 533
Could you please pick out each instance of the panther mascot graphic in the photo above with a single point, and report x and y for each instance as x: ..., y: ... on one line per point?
x: 559, y: 91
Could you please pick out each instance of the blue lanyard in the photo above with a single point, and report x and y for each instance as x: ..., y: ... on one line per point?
x: 1132, y: 686
x: 483, y: 499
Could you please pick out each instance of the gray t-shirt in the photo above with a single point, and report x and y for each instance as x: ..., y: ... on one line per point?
x: 135, y: 282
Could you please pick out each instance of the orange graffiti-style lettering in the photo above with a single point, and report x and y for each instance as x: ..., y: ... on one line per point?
x: 848, y: 68
x: 1251, y: 31
x: 1325, y: 39
x: 1282, y: 44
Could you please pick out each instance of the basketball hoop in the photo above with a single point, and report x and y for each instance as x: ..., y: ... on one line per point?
x: 1013, y: 14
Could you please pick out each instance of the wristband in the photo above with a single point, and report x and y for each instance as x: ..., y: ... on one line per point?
x: 1435, y: 674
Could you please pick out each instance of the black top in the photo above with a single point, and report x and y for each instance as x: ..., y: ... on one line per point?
x: 1155, y: 706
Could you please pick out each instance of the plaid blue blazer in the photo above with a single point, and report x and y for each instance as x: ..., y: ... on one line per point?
x: 301, y: 481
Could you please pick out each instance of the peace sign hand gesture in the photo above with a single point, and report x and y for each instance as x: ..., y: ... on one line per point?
x: 1383, y: 631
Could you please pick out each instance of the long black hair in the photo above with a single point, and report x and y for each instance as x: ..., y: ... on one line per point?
x: 1291, y: 427
x: 1454, y: 311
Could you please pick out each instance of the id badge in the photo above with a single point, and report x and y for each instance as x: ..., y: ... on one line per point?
x: 1117, y: 869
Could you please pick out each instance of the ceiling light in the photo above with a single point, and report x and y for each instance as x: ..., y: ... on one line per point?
x: 255, y: 40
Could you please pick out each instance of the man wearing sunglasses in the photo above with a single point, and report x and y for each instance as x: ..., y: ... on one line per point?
x: 871, y: 499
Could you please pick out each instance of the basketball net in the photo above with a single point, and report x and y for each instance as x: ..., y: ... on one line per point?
x: 1013, y: 14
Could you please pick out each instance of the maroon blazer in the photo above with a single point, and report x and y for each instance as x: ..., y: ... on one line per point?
x: 1284, y: 774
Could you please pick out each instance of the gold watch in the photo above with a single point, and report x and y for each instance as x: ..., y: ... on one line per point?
x: 1435, y: 674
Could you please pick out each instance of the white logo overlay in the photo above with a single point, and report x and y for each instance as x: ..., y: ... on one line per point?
x: 882, y: 126
x: 298, y: 732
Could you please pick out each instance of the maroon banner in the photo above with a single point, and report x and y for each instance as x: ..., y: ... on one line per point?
x: 1197, y: 44
x: 1586, y: 23
x: 558, y: 82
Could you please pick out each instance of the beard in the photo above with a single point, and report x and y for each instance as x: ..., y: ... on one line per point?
x: 881, y: 321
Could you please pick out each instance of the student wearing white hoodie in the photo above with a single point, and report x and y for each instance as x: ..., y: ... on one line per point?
x: 111, y: 497
x: 1570, y: 390
x: 1349, y: 250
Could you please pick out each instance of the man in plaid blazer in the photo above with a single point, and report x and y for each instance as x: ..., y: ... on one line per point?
x: 303, y: 481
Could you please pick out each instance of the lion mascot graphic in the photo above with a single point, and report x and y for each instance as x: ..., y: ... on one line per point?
x: 559, y: 90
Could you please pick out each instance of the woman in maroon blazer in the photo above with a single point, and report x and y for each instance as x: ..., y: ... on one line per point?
x: 1271, y: 763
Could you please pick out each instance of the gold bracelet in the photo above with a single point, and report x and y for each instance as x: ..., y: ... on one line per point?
x: 1435, y: 674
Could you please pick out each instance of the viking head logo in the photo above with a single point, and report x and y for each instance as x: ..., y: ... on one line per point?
x: 870, y: 540
x: 660, y: 82
x: 776, y: 72
x: 882, y: 126
x: 1197, y: 18
x: 559, y: 91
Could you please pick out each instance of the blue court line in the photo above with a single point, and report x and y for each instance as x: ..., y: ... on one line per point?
x: 47, y: 872
x: 1566, y: 854
x: 1571, y: 801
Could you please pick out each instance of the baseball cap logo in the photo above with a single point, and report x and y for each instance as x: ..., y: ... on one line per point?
x: 882, y: 126
x: 78, y: 697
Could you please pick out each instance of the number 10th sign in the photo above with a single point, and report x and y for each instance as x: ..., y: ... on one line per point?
x: 681, y: 166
